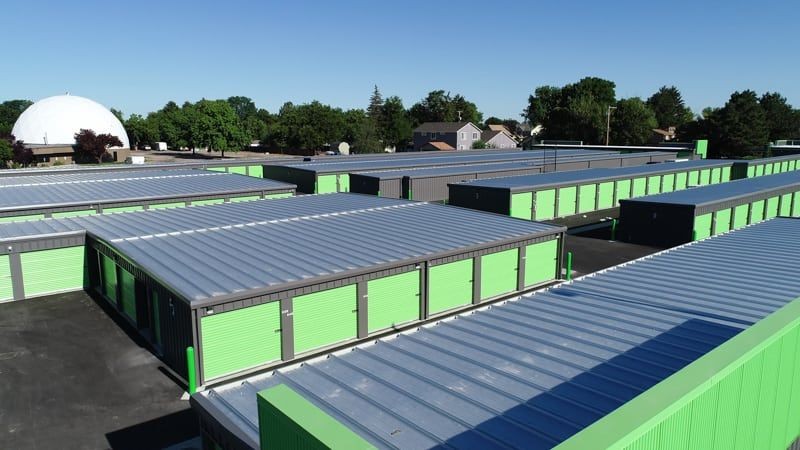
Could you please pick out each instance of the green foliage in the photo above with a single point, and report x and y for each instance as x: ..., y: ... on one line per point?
x: 740, y: 126
x: 439, y: 106
x: 93, y: 148
x: 141, y: 131
x: 669, y: 108
x: 9, y: 113
x: 396, y: 125
x: 783, y: 122
x: 118, y: 114
x: 632, y: 122
x: 22, y: 155
x: 479, y: 144
x: 6, y: 153
x: 215, y: 125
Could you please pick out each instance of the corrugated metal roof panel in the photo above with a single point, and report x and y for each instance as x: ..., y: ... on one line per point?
x: 531, y: 373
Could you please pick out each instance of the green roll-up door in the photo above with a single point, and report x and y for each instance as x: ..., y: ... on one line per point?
x: 241, y: 170
x: 740, y: 216
x: 668, y: 182
x: 567, y: 196
x: 344, y: 182
x: 240, y: 339
x: 623, y: 190
x: 796, y: 204
x: 168, y: 205
x: 84, y: 212
x: 49, y: 271
x: 326, y: 184
x: 541, y: 261
x: 757, y: 211
x: 681, y: 179
x: 217, y: 169
x: 449, y: 286
x: 521, y: 205
x: 751, y: 171
x: 716, y: 175
x: 786, y: 205
x: 545, y: 206
x: 212, y: 201
x: 588, y: 197
x: 499, y: 273
x: 325, y: 318
x: 393, y: 300
x: 793, y: 164
x: 768, y: 169
x: 694, y: 178
x: 760, y: 170
x: 246, y: 198
x: 722, y: 221
x: 21, y: 218
x: 109, y: 273
x: 705, y: 177
x: 122, y: 209
x: 6, y: 288
x: 654, y: 185
x: 128, y: 292
x: 256, y: 171
x: 639, y: 187
x: 772, y: 207
x: 726, y: 174
x: 702, y: 226
x: 605, y: 195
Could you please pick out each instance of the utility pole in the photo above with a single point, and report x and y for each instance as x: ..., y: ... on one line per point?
x: 459, y: 116
x: 608, y: 122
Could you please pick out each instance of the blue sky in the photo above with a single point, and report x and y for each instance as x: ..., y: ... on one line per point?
x: 136, y: 56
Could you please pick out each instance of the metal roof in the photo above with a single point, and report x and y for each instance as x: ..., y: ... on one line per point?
x: 54, y: 191
x: 191, y: 164
x: 533, y: 182
x: 716, y: 193
x: 532, y: 372
x: 450, y: 159
x: 319, y: 237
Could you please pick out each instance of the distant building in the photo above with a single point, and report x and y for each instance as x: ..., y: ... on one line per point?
x: 437, y: 146
x: 58, y: 154
x: 498, y: 138
x: 667, y: 135
x: 458, y: 135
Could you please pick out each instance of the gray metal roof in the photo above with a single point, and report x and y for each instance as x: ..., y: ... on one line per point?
x: 320, y: 237
x: 450, y: 159
x: 532, y: 372
x: 54, y: 191
x: 188, y: 164
x: 732, y: 190
x: 534, y: 182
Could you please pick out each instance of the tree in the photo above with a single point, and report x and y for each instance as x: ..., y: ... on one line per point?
x: 93, y: 148
x: 740, y: 126
x: 243, y: 107
x: 375, y: 108
x: 669, y: 109
x: 439, y: 106
x: 479, y: 144
x: 6, y: 153
x: 215, y: 125
x: 118, y: 114
x: 9, y: 113
x: 783, y: 122
x: 632, y: 122
x: 141, y: 130
x: 22, y: 155
x: 397, y: 130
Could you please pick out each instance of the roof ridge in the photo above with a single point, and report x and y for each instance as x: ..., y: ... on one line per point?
x: 152, y: 177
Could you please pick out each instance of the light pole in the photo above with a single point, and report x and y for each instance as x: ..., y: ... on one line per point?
x: 608, y: 122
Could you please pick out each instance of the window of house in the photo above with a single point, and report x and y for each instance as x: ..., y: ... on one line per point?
x: 463, y: 135
x: 433, y: 135
x: 474, y: 136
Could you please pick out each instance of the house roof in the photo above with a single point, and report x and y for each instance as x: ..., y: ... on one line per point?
x: 439, y: 145
x: 499, y: 128
x: 532, y: 372
x: 442, y: 127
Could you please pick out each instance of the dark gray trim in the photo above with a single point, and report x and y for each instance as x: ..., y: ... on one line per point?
x: 26, y: 244
x: 287, y: 328
x: 521, y: 256
x: 476, y: 279
x: 17, y: 280
x: 424, y: 306
x: 362, y: 306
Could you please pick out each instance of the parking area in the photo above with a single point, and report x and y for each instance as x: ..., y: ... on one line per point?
x: 70, y: 377
x: 594, y: 251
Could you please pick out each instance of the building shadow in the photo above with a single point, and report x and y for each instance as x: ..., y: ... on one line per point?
x: 163, y: 432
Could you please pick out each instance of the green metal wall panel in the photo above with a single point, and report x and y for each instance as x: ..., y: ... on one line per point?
x: 247, y: 198
x: 757, y: 211
x: 324, y: 318
x: 605, y: 195
x: 109, y: 277
x: 623, y: 190
x: 716, y: 175
x: 751, y: 171
x: 545, y: 207
x: 541, y: 262
x: 702, y: 226
x: 760, y: 170
x: 769, y: 169
x: 694, y: 178
x: 681, y: 179
x: 654, y: 185
x: 587, y: 198
x: 122, y: 209
x: 326, y: 184
x: 722, y: 221
x: 393, y: 300
x: 726, y: 174
x: 240, y: 339
x: 705, y: 177
x: 218, y: 169
x: 668, y: 182
x: 21, y: 218
x: 344, y: 182
x: 168, y: 205
x: 567, y: 196
x: 521, y: 205
x: 449, y: 286
x: 241, y: 170
x: 49, y: 271
x: 499, y: 273
x: 6, y: 288
x: 740, y: 216
x: 85, y: 212
x: 772, y: 207
x: 256, y: 171
x: 796, y: 204
x: 786, y: 205
x: 128, y: 294
x: 639, y: 187
x: 212, y: 201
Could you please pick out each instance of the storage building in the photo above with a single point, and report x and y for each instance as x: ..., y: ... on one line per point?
x: 430, y: 183
x: 78, y: 193
x: 751, y: 168
x: 593, y: 192
x: 624, y: 358
x: 679, y: 217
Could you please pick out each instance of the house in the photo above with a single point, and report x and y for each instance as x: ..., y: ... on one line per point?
x: 660, y: 135
x: 498, y: 139
x: 59, y: 154
x: 458, y: 135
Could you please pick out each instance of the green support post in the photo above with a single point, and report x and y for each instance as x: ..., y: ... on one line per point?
x: 694, y: 235
x: 569, y: 266
x: 613, y: 229
x: 191, y: 377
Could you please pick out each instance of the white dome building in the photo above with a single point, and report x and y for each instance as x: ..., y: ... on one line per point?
x: 55, y: 120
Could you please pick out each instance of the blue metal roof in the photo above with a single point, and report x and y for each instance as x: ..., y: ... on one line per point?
x: 530, y: 373
x: 534, y: 182
x: 722, y: 192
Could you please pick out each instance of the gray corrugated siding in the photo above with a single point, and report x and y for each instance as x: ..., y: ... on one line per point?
x: 533, y: 372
